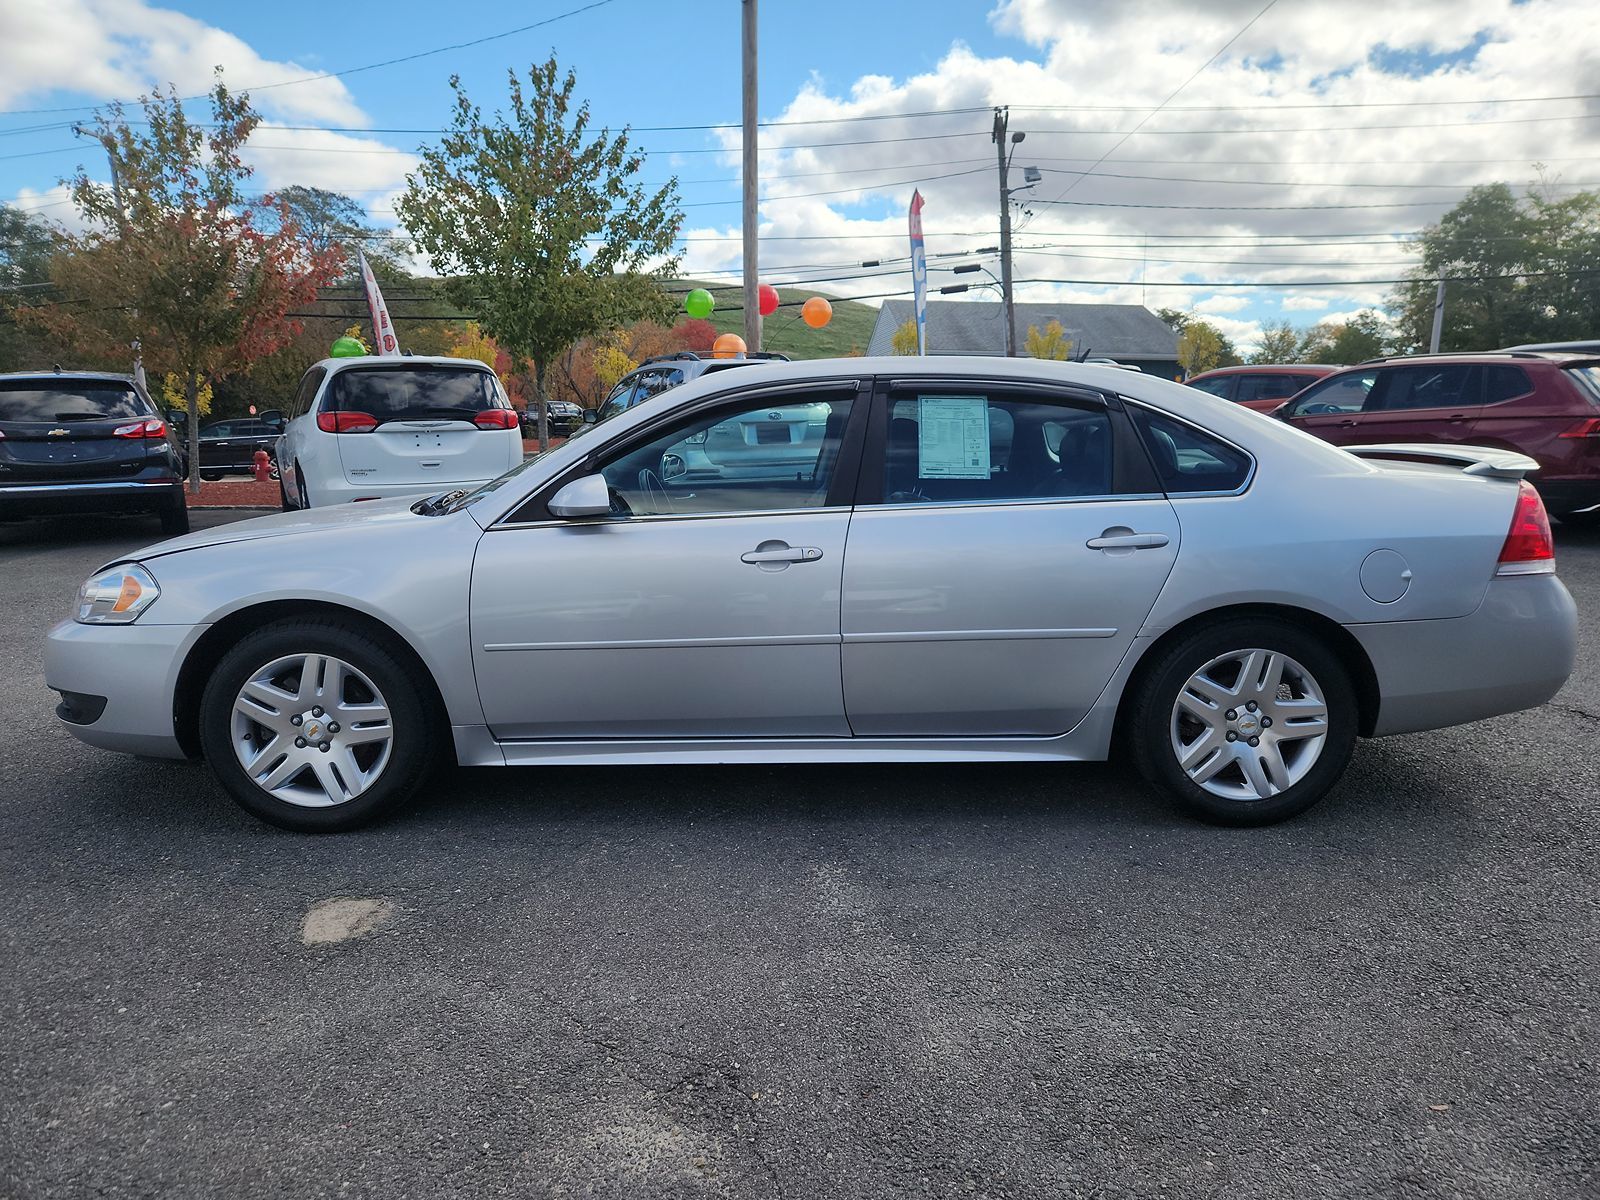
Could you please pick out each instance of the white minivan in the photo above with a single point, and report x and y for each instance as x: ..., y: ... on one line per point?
x: 372, y: 428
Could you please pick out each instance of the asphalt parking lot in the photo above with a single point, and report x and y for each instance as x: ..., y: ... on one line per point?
x: 799, y: 981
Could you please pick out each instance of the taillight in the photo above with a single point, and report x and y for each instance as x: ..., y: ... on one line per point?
x: 1584, y: 429
x: 1529, y: 549
x: 496, y: 418
x: 142, y: 429
x: 346, y: 422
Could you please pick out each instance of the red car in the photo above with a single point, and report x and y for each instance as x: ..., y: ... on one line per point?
x: 1262, y: 388
x: 1545, y: 405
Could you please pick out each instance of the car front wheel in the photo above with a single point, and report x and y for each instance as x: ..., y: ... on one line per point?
x: 317, y: 726
x: 1245, y: 723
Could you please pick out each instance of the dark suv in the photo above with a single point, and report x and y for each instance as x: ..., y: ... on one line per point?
x: 86, y: 442
x: 1544, y: 405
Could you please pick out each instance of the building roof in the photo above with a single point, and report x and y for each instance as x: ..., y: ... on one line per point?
x: 1126, y: 332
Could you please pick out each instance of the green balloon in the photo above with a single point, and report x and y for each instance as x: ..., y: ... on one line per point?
x: 347, y: 347
x: 699, y: 303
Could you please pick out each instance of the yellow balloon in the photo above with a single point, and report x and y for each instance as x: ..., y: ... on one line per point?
x: 816, y: 312
x: 729, y: 345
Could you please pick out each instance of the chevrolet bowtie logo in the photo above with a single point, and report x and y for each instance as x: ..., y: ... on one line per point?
x: 57, y: 433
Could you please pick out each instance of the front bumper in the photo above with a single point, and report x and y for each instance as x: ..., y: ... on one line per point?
x: 135, y: 667
x: 49, y: 499
x: 1514, y: 652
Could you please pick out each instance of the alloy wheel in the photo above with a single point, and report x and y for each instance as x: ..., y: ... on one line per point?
x: 311, y: 730
x: 1249, y: 724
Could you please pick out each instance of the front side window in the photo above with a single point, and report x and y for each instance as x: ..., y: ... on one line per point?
x: 420, y: 393
x: 780, y: 454
x: 1187, y: 459
x: 944, y: 449
x: 307, y: 391
x: 38, y: 400
x: 1343, y: 393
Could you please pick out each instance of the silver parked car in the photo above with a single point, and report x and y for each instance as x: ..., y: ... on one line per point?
x: 976, y: 560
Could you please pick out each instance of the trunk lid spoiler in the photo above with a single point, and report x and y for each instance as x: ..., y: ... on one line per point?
x: 1473, y: 460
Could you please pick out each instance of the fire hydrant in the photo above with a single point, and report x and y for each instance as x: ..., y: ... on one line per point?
x: 263, y: 466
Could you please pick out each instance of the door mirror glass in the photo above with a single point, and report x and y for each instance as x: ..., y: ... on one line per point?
x: 590, y: 416
x: 272, y: 417
x: 586, y: 497
x: 176, y: 416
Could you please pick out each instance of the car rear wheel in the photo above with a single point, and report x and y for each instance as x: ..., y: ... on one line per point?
x: 211, y: 476
x: 174, y: 518
x: 1245, y: 723
x: 300, y: 488
x: 317, y: 726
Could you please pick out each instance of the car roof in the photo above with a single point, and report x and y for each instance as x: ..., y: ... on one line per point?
x: 1477, y: 356
x: 404, y: 360
x: 101, y: 376
x: 1247, y: 368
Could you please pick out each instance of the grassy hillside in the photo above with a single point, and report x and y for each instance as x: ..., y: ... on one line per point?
x: 784, y: 332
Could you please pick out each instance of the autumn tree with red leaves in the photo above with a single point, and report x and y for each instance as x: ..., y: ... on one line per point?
x: 176, y: 257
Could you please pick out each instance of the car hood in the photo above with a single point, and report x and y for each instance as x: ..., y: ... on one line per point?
x: 300, y: 523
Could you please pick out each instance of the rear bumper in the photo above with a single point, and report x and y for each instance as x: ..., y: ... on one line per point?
x: 342, y: 491
x: 45, y: 499
x: 134, y: 668
x: 1514, y: 652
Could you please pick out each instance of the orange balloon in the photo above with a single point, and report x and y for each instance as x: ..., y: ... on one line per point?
x: 816, y: 312
x: 729, y: 345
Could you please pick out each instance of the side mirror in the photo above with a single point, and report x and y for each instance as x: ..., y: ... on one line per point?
x: 586, y: 497
x: 272, y: 416
x: 590, y: 416
x: 176, y: 416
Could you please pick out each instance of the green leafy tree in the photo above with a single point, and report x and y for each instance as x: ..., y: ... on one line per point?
x: 1279, y: 343
x: 1365, y: 335
x: 1201, y: 347
x: 537, y: 226
x: 26, y: 245
x: 179, y: 258
x: 904, y: 340
x: 1050, y: 342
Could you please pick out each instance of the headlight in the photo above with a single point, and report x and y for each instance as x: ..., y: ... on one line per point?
x: 117, y: 596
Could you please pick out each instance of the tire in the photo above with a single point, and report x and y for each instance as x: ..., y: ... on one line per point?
x: 174, y: 517
x: 283, y: 664
x: 300, y: 488
x: 211, y: 476
x: 283, y: 497
x: 1183, y: 701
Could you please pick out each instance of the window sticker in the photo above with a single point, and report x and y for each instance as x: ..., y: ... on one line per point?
x: 953, y: 437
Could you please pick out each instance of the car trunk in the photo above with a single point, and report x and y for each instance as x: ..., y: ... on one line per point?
x: 65, y: 432
x: 425, y: 430
x: 399, y: 451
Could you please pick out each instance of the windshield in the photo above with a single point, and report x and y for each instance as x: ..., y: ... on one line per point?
x: 419, y: 393
x: 69, y: 400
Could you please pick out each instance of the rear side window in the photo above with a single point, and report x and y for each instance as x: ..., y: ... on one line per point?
x: 1431, y: 385
x: 411, y: 393
x: 1265, y: 387
x: 1222, y: 386
x: 307, y: 391
x: 1187, y: 459
x: 943, y: 449
x: 1505, y: 383
x: 42, y: 400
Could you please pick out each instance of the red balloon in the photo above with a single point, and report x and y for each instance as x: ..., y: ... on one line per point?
x: 767, y: 299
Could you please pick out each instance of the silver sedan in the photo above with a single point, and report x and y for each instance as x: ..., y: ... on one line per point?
x: 944, y: 560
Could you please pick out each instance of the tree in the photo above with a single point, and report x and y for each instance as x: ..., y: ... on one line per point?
x: 696, y: 334
x: 904, y: 340
x: 471, y: 342
x: 179, y: 259
x: 537, y: 227
x: 1051, y: 342
x: 1365, y: 335
x: 1200, y: 347
x: 1279, y: 343
x: 26, y: 245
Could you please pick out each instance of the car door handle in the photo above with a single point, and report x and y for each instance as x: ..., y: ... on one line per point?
x: 781, y: 554
x: 1347, y: 421
x: 1127, y: 541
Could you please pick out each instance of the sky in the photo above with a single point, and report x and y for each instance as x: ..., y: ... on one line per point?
x: 1184, y: 150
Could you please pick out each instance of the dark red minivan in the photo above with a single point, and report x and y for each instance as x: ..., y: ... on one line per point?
x: 1544, y: 405
x: 1259, y: 386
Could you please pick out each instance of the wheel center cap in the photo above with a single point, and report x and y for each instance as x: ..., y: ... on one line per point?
x: 1249, y: 724
x: 313, y: 730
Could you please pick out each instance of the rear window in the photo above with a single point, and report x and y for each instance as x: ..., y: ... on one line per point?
x: 1588, y: 380
x: 411, y: 393
x: 1188, y: 459
x: 69, y: 400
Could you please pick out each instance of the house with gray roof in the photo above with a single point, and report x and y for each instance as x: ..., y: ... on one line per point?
x: 1129, y: 333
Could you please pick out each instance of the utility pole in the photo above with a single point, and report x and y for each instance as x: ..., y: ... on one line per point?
x: 110, y: 145
x: 752, y: 262
x: 1002, y: 147
x: 1438, y: 319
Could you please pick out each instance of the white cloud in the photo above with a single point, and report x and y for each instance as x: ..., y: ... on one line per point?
x: 1221, y: 304
x: 361, y: 167
x: 119, y: 49
x: 1303, y: 303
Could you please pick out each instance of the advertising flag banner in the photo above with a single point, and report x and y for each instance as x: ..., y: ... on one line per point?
x: 384, y: 342
x: 919, y: 272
